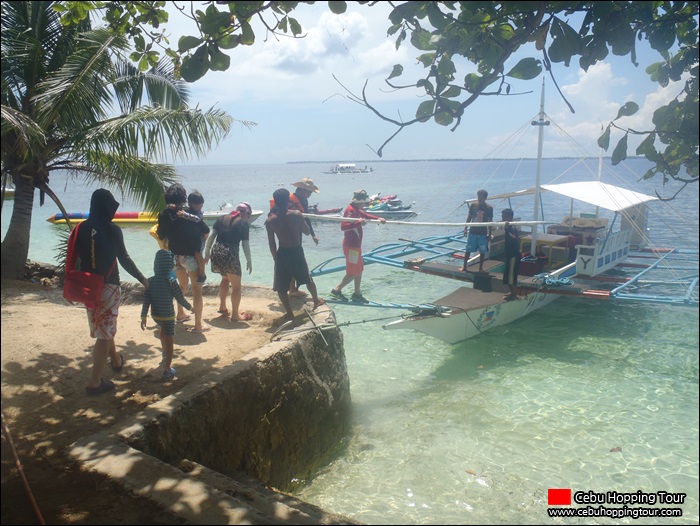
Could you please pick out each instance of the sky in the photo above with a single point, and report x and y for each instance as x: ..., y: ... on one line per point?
x: 294, y: 90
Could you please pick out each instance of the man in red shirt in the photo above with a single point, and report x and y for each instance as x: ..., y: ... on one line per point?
x: 352, y: 246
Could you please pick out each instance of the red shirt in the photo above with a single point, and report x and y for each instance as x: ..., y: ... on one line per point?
x: 353, y: 229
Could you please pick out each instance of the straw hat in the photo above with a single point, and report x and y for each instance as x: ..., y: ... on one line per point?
x: 360, y: 197
x: 307, y: 184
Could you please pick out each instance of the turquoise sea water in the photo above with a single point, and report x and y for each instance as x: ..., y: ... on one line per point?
x: 477, y: 432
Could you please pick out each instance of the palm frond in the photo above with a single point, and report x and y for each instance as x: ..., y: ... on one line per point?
x: 160, y: 133
x: 20, y: 134
x: 78, y: 94
x: 137, y: 179
x: 157, y: 84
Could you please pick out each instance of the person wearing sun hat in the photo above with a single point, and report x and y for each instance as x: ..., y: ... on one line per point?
x: 352, y: 246
x: 299, y: 200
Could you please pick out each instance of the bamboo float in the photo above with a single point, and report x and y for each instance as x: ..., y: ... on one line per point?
x: 415, y: 223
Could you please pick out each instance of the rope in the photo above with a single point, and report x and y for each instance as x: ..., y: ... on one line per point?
x: 18, y: 464
x: 548, y: 280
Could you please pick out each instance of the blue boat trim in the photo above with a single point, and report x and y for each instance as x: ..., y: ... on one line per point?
x: 617, y: 284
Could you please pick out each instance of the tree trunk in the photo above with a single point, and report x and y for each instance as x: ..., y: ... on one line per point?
x: 15, y: 246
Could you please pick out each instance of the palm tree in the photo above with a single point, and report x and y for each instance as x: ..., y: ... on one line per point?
x: 59, y: 88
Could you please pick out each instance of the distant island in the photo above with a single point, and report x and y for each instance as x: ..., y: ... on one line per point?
x: 448, y: 160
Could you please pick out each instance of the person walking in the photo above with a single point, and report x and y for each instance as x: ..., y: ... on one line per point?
x: 352, y: 246
x: 478, y: 237
x: 184, y: 239
x: 286, y: 227
x: 299, y: 200
x: 162, y: 289
x: 99, y: 244
x: 222, y: 248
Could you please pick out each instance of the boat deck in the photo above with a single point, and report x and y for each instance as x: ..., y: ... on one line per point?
x: 667, y: 276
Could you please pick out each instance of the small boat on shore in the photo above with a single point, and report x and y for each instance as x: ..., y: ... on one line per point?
x: 348, y: 168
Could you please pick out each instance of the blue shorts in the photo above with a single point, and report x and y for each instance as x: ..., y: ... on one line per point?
x: 477, y: 243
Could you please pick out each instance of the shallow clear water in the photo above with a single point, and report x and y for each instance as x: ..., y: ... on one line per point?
x: 477, y: 432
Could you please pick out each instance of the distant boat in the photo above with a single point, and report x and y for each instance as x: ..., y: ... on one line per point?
x: 141, y: 217
x: 348, y: 168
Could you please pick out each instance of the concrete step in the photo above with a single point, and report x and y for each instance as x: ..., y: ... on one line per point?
x: 275, y: 506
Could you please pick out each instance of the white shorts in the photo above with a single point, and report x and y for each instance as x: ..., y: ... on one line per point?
x: 189, y: 263
x: 103, y: 320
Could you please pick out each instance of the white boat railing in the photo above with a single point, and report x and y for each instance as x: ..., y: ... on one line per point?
x: 603, y: 255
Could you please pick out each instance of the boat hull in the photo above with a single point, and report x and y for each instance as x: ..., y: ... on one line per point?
x: 459, y: 325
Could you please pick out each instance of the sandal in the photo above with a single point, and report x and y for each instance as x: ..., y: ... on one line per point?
x: 105, y: 386
x: 244, y: 316
x: 187, y: 317
x: 223, y: 311
x: 118, y: 369
x: 204, y: 328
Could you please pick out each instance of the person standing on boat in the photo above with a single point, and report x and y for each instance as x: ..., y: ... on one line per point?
x: 352, y: 246
x: 512, y: 255
x: 478, y: 237
x: 299, y: 200
x: 288, y: 226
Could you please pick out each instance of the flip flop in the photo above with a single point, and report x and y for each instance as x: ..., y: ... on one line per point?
x: 182, y: 320
x: 244, y: 316
x: 105, y: 386
x: 223, y: 311
x: 118, y: 369
x: 203, y: 329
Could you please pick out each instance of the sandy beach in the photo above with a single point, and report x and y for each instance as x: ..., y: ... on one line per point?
x: 46, y: 356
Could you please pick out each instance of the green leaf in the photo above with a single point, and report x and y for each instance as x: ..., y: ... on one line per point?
x: 604, y: 140
x: 425, y: 110
x: 295, y: 26
x: 426, y: 59
x: 527, y: 69
x: 195, y: 67
x: 472, y: 82
x: 247, y: 34
x: 396, y: 72
x: 218, y: 61
x: 338, y: 8
x: 187, y: 43
x: 451, y: 92
x: 620, y: 151
x: 646, y: 147
x: 228, y: 42
x: 630, y: 108
x: 420, y: 38
x: 214, y: 22
x: 444, y: 118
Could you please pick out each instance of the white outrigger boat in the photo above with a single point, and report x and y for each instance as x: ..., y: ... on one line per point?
x: 580, y: 257
x: 348, y: 168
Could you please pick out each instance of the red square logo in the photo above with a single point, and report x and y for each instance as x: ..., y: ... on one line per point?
x: 559, y: 496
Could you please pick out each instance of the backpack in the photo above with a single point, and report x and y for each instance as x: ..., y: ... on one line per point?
x: 79, y: 286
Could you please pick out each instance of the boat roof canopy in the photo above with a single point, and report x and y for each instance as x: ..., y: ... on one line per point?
x: 594, y: 193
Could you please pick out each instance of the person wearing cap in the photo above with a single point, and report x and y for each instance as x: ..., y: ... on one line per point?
x: 299, y: 200
x: 352, y: 246
x: 287, y: 226
x: 230, y: 231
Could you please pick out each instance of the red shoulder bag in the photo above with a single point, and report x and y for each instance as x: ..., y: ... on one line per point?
x: 79, y: 286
